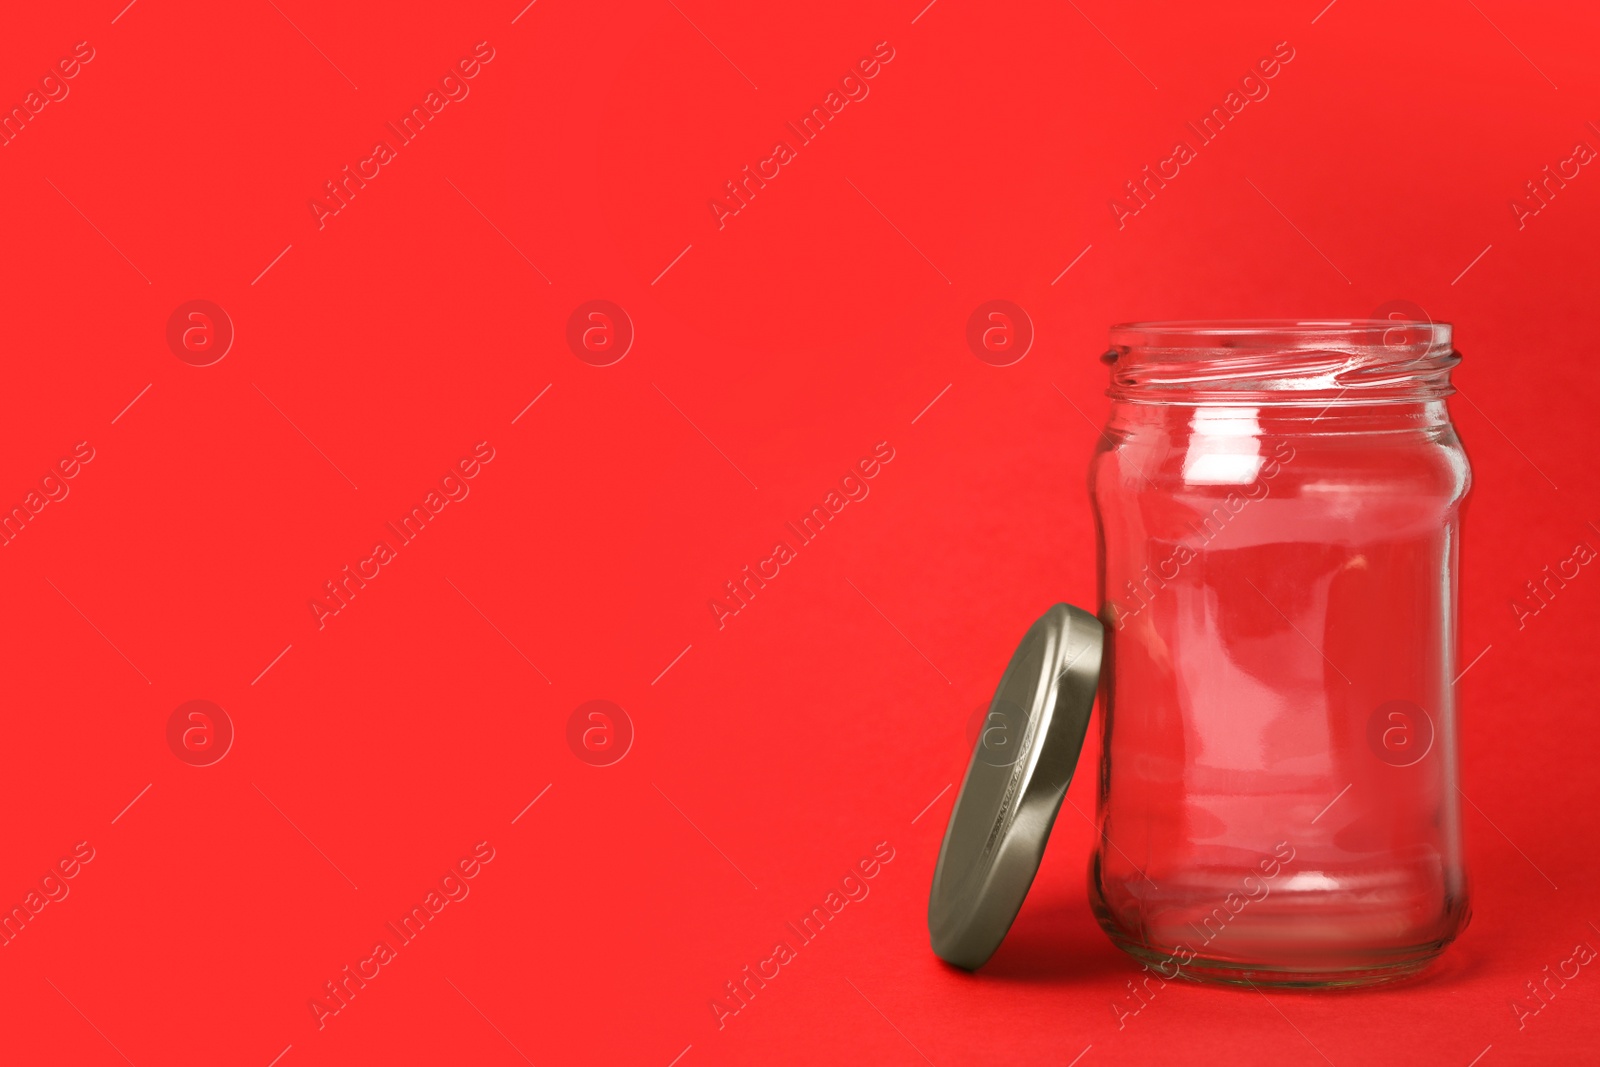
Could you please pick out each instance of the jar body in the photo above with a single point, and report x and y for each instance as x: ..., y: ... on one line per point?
x: 1277, y: 791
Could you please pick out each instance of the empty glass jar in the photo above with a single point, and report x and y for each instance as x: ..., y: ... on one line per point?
x: 1278, y: 506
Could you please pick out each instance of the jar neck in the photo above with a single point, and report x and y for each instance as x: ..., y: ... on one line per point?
x: 1172, y: 419
x: 1325, y: 367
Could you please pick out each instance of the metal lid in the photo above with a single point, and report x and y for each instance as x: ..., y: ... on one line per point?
x: 1018, y: 776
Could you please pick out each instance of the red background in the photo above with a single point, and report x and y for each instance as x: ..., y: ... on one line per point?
x: 820, y: 320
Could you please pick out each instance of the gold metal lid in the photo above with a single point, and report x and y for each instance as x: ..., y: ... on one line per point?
x: 1020, y: 770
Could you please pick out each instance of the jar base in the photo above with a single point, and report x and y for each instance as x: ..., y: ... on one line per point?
x: 1405, y: 963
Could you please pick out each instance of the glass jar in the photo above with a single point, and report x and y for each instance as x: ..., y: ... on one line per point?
x: 1278, y: 510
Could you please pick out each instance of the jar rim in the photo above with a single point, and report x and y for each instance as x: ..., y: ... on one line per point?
x: 1341, y: 362
x: 1396, y: 336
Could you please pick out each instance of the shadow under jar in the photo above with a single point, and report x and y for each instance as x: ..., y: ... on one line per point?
x: 1278, y: 509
